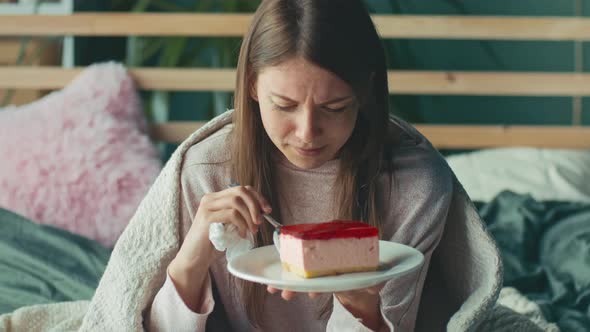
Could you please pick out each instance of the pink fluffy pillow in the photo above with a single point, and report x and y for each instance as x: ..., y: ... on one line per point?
x: 79, y: 158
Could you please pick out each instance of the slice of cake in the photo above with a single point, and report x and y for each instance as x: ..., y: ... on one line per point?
x: 313, y: 250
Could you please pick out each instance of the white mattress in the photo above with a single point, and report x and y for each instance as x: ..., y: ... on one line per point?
x: 546, y: 174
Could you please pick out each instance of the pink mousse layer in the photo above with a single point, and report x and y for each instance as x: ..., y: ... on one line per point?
x: 333, y: 254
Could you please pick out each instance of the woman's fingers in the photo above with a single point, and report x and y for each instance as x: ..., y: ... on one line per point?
x: 233, y: 217
x: 255, y: 202
x: 237, y: 200
x: 285, y: 294
x: 264, y: 204
x: 288, y: 295
x: 249, y: 199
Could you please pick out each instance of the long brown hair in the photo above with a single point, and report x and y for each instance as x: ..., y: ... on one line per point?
x: 338, y: 36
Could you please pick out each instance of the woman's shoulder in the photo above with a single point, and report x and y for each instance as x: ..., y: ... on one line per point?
x: 405, y: 136
x: 415, y: 161
x: 214, y: 149
x: 407, y: 140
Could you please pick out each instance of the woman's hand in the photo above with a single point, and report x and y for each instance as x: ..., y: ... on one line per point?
x: 364, y: 304
x: 288, y: 295
x: 361, y: 303
x: 353, y: 296
x: 240, y: 206
x: 358, y: 296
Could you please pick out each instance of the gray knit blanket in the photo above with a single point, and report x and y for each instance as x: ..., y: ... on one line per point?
x: 137, y: 267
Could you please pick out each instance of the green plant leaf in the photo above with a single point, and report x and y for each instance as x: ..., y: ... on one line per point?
x: 22, y: 50
x: 38, y: 52
x: 141, y: 6
x: 172, y: 51
x: 150, y: 47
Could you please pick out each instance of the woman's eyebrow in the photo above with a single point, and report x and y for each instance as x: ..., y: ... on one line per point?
x: 272, y: 94
x: 335, y: 100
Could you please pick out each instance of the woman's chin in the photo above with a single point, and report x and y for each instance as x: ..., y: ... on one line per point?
x: 306, y: 163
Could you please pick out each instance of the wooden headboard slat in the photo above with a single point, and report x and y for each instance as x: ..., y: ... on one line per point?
x: 400, y: 81
x: 489, y: 83
x: 482, y: 27
x: 126, y: 24
x: 174, y: 131
x: 446, y: 136
x: 235, y: 25
x: 478, y: 136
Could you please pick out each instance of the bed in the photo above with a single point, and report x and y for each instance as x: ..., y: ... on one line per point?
x: 528, y: 182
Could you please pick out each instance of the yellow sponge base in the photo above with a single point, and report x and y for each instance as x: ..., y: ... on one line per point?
x: 321, y: 273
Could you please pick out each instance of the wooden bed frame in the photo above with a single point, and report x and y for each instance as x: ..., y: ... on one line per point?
x: 571, y: 84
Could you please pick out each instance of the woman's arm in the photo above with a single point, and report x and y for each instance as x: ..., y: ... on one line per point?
x: 189, y: 269
x: 169, y: 312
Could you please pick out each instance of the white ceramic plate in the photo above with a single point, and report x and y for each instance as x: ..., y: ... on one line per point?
x: 263, y: 265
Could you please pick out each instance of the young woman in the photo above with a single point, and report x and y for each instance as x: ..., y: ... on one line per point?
x: 311, y: 141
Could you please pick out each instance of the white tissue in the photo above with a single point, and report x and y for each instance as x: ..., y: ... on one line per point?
x: 226, y: 237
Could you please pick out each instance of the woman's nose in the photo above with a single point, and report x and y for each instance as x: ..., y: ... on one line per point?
x: 308, y: 126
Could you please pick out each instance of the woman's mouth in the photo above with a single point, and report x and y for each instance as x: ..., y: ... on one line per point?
x: 309, y: 152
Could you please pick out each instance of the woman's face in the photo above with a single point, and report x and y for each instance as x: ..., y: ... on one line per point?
x: 308, y: 112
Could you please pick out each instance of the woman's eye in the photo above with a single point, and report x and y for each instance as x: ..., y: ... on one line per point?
x: 284, y: 108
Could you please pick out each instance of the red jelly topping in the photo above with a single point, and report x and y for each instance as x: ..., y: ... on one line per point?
x: 330, y: 230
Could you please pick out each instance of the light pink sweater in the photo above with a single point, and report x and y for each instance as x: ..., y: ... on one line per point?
x: 413, y: 211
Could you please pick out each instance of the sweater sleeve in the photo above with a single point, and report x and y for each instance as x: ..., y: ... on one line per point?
x: 416, y: 214
x: 170, y: 313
